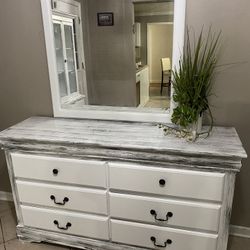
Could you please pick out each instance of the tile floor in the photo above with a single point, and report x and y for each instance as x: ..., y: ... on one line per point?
x: 156, y: 100
x: 8, y: 240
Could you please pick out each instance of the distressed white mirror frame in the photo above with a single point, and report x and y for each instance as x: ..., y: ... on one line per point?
x: 107, y: 112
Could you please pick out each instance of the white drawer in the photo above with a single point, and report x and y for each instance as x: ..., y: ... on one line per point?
x: 169, y: 182
x: 71, y: 198
x: 195, y: 215
x: 66, y: 222
x: 71, y: 171
x: 147, y: 235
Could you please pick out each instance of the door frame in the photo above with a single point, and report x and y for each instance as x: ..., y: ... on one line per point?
x: 149, y: 47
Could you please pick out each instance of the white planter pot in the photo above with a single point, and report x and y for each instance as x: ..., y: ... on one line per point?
x: 196, y: 127
x: 198, y: 124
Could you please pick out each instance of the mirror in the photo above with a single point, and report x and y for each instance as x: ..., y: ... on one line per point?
x: 110, y: 54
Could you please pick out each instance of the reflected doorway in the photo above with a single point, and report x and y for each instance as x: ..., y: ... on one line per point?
x: 155, y: 22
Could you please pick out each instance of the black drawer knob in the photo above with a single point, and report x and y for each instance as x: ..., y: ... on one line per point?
x: 167, y: 242
x: 62, y: 228
x: 55, y: 171
x: 162, y: 182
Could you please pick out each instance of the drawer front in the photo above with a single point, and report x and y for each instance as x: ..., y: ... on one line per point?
x: 148, y: 236
x: 169, y: 182
x: 58, y: 221
x: 71, y: 171
x: 165, y: 212
x: 58, y: 196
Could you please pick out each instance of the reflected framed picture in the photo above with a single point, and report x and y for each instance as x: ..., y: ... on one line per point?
x: 105, y: 19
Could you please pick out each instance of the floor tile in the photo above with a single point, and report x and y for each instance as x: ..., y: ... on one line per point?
x: 156, y: 100
x: 238, y: 243
x: 2, y: 247
x: 9, y: 222
x: 17, y: 244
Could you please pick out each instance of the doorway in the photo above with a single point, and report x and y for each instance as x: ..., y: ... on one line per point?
x: 159, y: 45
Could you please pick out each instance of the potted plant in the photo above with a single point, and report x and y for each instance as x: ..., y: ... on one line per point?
x: 193, y: 81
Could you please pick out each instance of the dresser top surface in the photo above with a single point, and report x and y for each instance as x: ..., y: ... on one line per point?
x: 145, y: 137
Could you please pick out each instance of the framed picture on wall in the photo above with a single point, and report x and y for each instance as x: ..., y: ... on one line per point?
x: 105, y: 19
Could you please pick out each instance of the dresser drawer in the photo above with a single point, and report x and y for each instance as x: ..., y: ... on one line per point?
x: 168, y: 182
x: 165, y: 212
x: 66, y: 222
x: 70, y: 171
x: 58, y: 196
x: 148, y: 236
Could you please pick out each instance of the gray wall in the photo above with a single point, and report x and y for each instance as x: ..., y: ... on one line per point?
x: 24, y: 83
x: 23, y: 73
x: 231, y: 105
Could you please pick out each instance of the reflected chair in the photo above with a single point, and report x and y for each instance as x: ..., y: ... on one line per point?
x: 166, y: 71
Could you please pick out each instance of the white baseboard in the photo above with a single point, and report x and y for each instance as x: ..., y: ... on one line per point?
x: 155, y: 81
x: 6, y: 196
x: 240, y: 231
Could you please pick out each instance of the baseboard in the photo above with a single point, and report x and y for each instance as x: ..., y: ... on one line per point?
x: 157, y: 84
x: 155, y: 81
x: 240, y: 231
x: 6, y: 196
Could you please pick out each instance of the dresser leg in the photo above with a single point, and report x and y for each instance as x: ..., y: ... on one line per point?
x: 226, y: 211
x: 26, y: 239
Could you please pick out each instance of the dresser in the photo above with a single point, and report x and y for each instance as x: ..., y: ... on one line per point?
x: 121, y: 185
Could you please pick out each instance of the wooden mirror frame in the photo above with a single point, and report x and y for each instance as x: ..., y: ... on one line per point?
x: 109, y: 112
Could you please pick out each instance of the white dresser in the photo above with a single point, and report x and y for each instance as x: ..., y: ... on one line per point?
x: 120, y: 185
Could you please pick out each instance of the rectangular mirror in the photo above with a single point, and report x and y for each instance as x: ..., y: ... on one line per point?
x: 112, y: 59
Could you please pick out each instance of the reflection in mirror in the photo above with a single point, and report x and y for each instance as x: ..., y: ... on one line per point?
x: 113, y: 52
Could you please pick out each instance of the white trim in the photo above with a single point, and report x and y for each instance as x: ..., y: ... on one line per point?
x: 108, y: 113
x: 240, y: 231
x: 166, y: 13
x: 51, y: 57
x: 121, y: 114
x: 82, y: 62
x: 6, y: 196
x: 72, y: 98
x: 178, y: 39
x: 62, y: 18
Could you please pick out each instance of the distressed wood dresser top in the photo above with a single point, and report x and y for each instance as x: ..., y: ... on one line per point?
x: 143, y: 137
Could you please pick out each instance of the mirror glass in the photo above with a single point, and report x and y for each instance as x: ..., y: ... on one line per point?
x: 113, y: 52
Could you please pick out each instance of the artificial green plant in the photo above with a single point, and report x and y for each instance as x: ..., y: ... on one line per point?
x: 193, y: 78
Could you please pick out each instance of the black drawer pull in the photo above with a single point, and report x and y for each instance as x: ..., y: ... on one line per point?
x: 55, y: 171
x: 162, y: 182
x: 53, y: 198
x: 167, y: 242
x: 168, y: 215
x: 62, y: 228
